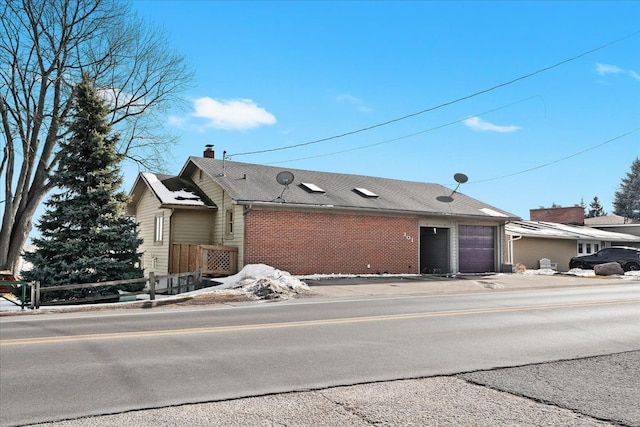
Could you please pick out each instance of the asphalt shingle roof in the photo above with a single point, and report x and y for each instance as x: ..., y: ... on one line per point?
x: 253, y: 183
x: 176, y: 191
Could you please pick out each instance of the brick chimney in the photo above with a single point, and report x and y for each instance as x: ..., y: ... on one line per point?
x: 208, y: 152
x: 573, y: 215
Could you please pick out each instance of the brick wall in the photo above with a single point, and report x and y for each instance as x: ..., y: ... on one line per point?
x: 573, y: 215
x: 325, y: 243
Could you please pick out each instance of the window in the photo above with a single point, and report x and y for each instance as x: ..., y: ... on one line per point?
x: 311, y: 188
x: 158, y: 229
x: 364, y: 192
x: 586, y: 247
x: 228, y: 223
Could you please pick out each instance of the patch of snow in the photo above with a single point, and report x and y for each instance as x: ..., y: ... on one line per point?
x: 181, y: 197
x: 541, y: 272
x: 590, y: 273
x: 260, y: 280
x: 581, y: 273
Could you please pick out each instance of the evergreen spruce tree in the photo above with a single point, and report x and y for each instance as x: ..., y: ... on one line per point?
x: 627, y: 199
x: 584, y: 207
x: 84, y: 235
x: 595, y: 208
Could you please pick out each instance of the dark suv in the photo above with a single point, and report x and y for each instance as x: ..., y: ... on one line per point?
x: 628, y: 258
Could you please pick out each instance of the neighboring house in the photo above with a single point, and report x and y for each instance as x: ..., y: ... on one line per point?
x: 530, y: 241
x: 318, y: 223
x: 614, y: 223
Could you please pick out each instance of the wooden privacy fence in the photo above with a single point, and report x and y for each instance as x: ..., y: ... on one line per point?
x: 212, y: 260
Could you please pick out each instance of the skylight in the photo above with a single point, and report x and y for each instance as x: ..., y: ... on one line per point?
x: 312, y: 187
x: 365, y: 192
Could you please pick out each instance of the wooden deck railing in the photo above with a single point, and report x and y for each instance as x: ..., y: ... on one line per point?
x: 218, y: 260
x: 213, y: 260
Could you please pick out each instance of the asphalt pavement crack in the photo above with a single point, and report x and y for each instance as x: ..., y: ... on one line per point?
x: 349, y: 409
x: 597, y: 387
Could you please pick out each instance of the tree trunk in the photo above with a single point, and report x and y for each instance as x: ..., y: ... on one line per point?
x: 15, y: 235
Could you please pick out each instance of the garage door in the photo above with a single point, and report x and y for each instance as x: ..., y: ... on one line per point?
x: 476, y: 251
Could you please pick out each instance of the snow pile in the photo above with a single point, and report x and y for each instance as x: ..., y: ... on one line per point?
x: 581, y: 273
x: 262, y: 281
x: 590, y: 273
x: 541, y: 272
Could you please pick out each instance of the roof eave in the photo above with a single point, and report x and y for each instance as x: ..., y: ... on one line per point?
x: 181, y: 206
x: 374, y: 210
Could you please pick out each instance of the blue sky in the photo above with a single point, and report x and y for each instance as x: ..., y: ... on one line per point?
x: 277, y: 74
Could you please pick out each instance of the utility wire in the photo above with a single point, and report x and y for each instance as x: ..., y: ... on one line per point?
x: 362, y: 147
x: 464, y: 98
x: 557, y: 160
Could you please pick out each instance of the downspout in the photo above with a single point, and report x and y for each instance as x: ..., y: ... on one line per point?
x: 223, y: 219
x: 170, y: 242
x: 510, y: 247
x: 245, y: 211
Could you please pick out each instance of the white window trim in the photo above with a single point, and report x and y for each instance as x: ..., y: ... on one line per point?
x: 158, y: 229
x: 229, y: 223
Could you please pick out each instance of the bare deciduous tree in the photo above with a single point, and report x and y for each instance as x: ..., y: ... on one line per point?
x: 45, y: 46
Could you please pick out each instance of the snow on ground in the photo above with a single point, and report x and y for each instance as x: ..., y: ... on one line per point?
x: 577, y: 272
x: 260, y: 281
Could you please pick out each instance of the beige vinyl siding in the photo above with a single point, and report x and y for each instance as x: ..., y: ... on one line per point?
x: 155, y: 254
x: 528, y: 251
x: 224, y: 203
x: 192, y: 226
x: 237, y: 239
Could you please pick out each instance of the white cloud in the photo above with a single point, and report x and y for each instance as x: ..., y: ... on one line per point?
x: 355, y: 101
x: 603, y: 69
x: 476, y: 123
x: 232, y: 114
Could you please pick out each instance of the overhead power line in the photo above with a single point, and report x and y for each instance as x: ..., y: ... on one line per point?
x: 375, y: 144
x: 464, y: 98
x: 593, y: 147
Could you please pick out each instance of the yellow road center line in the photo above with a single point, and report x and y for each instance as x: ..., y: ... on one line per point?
x: 337, y: 321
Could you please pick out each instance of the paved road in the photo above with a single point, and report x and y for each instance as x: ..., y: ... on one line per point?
x: 437, y: 401
x: 86, y: 364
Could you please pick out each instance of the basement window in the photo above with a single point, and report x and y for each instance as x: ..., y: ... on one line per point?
x: 312, y: 188
x: 365, y: 192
